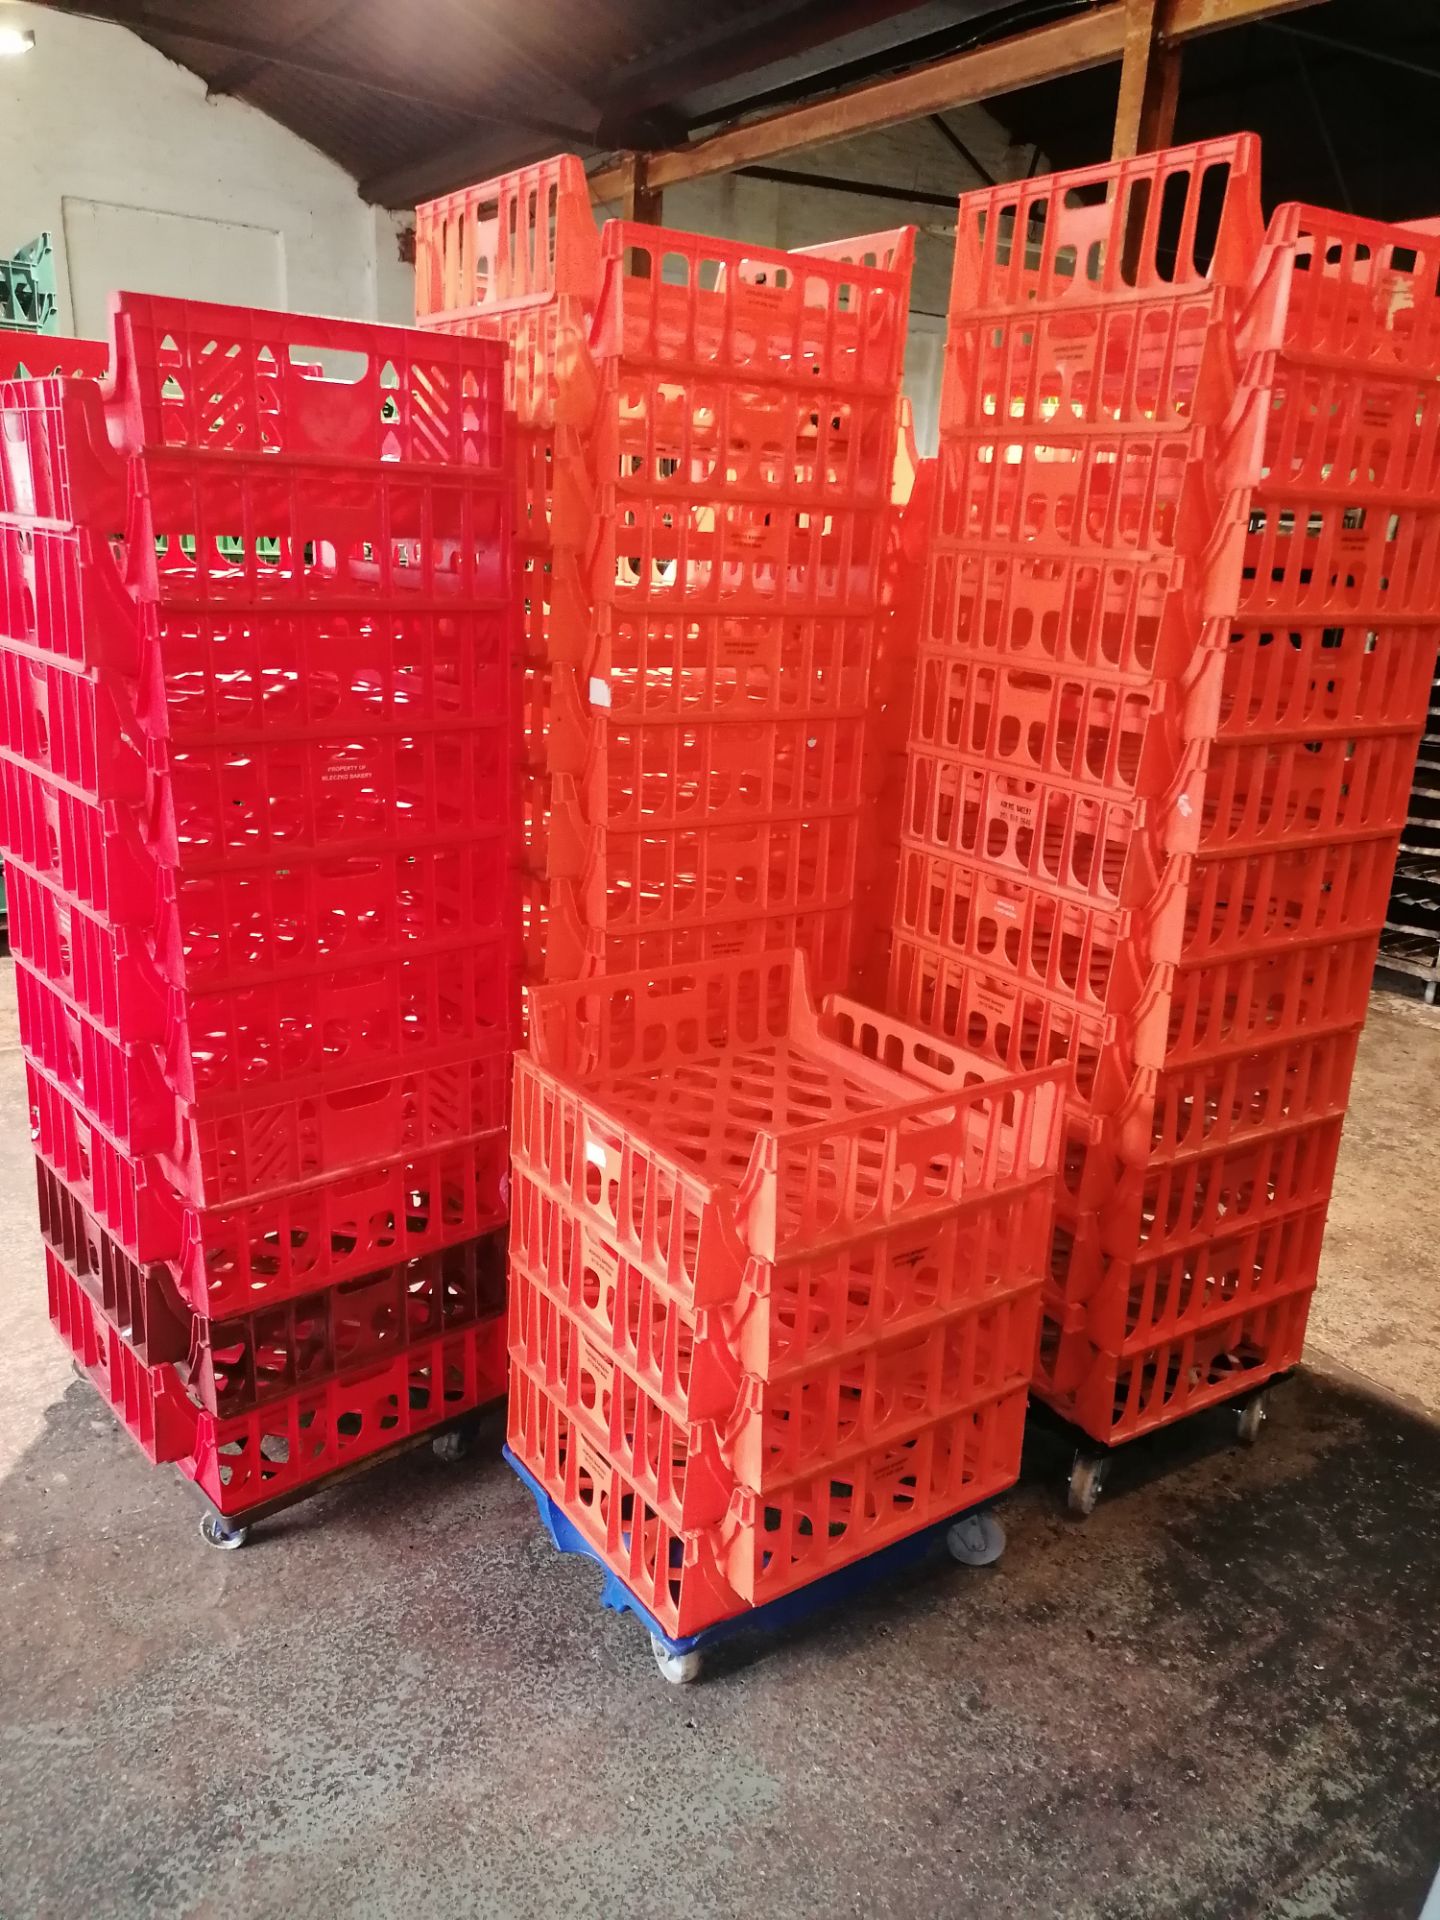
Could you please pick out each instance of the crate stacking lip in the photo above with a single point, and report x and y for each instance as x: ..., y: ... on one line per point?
x: 233, y: 1259
x: 245, y: 1460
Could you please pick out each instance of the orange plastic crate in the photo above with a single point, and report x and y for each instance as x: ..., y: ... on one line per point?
x: 718, y: 307
x: 1117, y: 289
x: 766, y: 1545
x: 1115, y: 1398
x: 708, y: 1114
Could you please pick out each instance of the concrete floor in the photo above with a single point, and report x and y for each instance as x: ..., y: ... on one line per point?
x: 1218, y: 1698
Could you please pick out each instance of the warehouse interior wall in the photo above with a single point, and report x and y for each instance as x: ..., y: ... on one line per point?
x: 145, y: 181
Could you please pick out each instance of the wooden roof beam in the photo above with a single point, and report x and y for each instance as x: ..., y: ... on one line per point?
x: 1091, y: 39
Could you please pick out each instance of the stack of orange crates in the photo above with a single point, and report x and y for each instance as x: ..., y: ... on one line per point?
x: 517, y: 259
x: 1173, y: 669
x: 743, y: 447
x: 259, y: 764
x: 775, y: 1269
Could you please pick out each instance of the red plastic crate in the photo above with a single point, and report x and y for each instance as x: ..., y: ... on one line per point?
x: 36, y: 356
x: 825, y: 937
x: 233, y: 1363
x: 231, y: 1259
x: 135, y: 1300
x: 787, y: 1316
x: 1286, y: 894
x: 1219, y: 1102
x: 1315, y: 558
x: 713, y: 773
x: 521, y: 241
x: 738, y: 560
x: 687, y: 1468
x: 226, y: 674
x: 639, y: 883
x: 1123, y: 494
x: 1193, y: 1199
x: 149, y: 1401
x: 223, y: 379
x: 236, y: 1147
x: 1284, y: 793
x: 1363, y: 436
x: 666, y: 438
x: 1360, y: 291
x: 300, y: 1439
x: 234, y: 932
x: 1132, y: 620
x: 1090, y: 848
x: 1186, y: 1291
x: 229, y: 532
x: 1201, y: 1013
x: 1066, y: 728
x: 374, y: 1013
x: 281, y: 801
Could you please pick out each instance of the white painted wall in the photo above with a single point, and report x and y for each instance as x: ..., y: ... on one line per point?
x: 95, y: 116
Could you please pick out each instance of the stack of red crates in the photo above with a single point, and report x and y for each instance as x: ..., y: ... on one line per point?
x: 1173, y: 671
x: 517, y: 259
x: 260, y: 794
x: 775, y: 1271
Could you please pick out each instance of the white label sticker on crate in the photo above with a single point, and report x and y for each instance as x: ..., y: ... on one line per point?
x: 599, y: 693
x: 595, y: 1153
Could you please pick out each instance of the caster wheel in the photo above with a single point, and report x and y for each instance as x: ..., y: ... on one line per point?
x: 680, y: 1669
x: 975, y: 1540
x: 1250, y: 1418
x: 1087, y: 1477
x: 216, y: 1531
x: 451, y: 1446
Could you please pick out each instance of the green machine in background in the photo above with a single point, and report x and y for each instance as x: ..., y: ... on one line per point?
x: 27, y: 288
